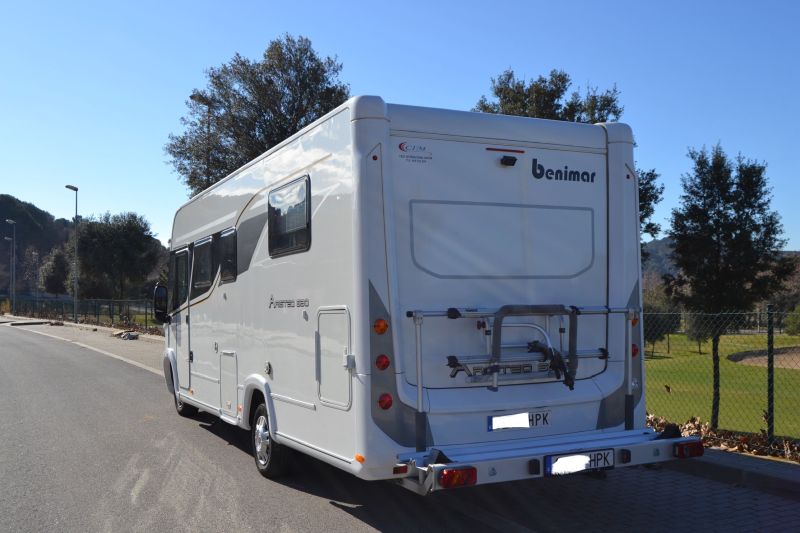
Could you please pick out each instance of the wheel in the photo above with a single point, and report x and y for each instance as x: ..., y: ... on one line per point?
x: 183, y: 409
x: 271, y: 458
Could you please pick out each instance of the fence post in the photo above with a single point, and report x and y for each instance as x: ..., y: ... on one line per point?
x: 770, y: 375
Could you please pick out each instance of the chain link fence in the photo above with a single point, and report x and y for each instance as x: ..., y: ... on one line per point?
x: 733, y: 377
x: 129, y: 314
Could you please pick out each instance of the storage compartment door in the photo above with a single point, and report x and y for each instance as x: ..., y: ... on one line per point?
x: 228, y: 386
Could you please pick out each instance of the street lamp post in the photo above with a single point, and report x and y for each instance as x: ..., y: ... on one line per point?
x: 36, y: 284
x: 13, y: 266
x: 75, y: 259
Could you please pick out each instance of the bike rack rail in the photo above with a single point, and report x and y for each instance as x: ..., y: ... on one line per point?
x: 496, y: 317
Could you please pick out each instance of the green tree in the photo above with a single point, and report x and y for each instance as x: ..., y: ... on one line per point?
x: 549, y: 97
x: 116, y: 251
x: 651, y: 193
x: 792, y: 322
x: 660, y: 319
x: 726, y: 244
x: 29, y: 269
x: 54, y: 271
x: 250, y: 106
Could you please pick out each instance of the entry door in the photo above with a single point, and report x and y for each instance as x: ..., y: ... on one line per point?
x: 180, y: 317
x: 334, y: 361
x: 335, y: 420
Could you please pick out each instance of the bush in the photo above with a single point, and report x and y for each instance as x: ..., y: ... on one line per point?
x: 792, y: 322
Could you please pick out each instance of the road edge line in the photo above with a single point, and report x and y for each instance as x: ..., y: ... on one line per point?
x: 102, y: 352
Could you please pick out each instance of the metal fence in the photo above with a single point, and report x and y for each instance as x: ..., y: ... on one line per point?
x: 134, y: 314
x: 734, y: 377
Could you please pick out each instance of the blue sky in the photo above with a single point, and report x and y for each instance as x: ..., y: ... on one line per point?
x: 89, y: 91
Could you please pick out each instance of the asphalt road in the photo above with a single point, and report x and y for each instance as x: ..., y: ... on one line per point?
x: 90, y: 443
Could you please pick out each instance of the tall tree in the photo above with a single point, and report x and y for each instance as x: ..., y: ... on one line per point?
x: 650, y: 194
x: 53, y: 272
x: 250, y: 106
x: 116, y: 251
x: 29, y: 269
x: 549, y: 97
x: 726, y: 244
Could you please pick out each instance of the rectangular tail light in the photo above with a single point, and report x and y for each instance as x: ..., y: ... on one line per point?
x: 450, y: 478
x: 684, y: 450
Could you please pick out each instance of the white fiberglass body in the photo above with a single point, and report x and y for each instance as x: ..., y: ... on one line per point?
x: 501, y: 252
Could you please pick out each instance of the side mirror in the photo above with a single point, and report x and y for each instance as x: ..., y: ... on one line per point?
x: 160, y: 304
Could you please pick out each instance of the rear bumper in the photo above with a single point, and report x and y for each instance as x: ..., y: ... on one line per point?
x: 533, y: 458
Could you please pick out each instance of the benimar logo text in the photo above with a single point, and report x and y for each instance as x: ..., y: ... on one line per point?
x: 539, y: 172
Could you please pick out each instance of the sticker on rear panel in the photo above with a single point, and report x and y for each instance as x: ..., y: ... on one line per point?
x: 414, y: 153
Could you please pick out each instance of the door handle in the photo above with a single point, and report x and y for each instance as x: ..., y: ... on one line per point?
x: 191, y: 356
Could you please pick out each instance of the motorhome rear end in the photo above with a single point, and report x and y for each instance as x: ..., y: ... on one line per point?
x: 438, y: 297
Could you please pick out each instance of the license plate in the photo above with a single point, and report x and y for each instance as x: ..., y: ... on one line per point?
x: 557, y: 465
x: 519, y: 421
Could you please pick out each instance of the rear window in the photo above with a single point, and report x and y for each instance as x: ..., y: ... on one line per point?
x: 227, y: 256
x: 202, y: 268
x: 290, y: 218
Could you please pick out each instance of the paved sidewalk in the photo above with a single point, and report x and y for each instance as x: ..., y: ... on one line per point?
x: 775, y: 477
x: 146, y: 351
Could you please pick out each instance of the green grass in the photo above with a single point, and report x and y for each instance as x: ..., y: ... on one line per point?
x: 743, y: 388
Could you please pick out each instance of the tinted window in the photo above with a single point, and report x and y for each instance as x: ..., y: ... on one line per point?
x: 227, y: 255
x: 179, y: 280
x: 290, y: 218
x: 202, y: 268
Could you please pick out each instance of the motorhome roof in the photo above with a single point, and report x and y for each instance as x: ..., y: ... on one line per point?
x: 486, y: 126
x: 432, y: 122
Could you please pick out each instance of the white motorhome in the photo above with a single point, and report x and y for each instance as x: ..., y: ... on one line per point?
x: 437, y: 297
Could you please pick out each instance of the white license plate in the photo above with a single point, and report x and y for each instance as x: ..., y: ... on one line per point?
x: 557, y: 465
x: 533, y: 419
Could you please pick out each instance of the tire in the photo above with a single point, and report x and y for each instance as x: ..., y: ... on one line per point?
x: 271, y: 458
x: 183, y: 409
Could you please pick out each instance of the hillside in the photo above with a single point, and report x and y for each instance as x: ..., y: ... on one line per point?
x: 658, y: 260
x: 35, y: 227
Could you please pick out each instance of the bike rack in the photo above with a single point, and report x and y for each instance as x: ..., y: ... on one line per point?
x: 495, y: 318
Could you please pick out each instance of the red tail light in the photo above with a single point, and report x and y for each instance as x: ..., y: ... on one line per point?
x: 450, y: 478
x: 385, y: 400
x: 684, y: 450
x: 400, y: 469
x: 382, y: 362
x: 634, y: 350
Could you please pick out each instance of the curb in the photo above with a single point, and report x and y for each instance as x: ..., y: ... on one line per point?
x: 25, y: 321
x: 743, y: 471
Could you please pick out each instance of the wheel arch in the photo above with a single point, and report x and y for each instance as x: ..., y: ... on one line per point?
x: 170, y: 371
x: 254, y: 385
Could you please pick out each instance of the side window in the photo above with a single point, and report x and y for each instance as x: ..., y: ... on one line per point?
x: 202, y: 268
x: 227, y: 255
x: 179, y: 279
x: 290, y: 218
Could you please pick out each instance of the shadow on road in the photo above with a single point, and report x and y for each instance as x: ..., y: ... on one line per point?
x: 389, y: 507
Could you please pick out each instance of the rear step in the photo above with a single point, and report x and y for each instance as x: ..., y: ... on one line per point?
x: 478, y: 464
